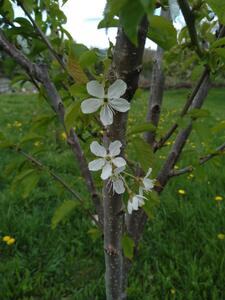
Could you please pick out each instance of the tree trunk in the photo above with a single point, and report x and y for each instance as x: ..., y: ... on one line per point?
x: 126, y: 65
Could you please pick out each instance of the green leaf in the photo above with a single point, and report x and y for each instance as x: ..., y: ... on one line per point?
x: 88, y: 58
x: 162, y: 32
x: 107, y: 23
x: 4, y: 142
x: 94, y: 233
x: 199, y: 113
x: 63, y: 211
x: 141, y: 152
x: 218, y: 127
x: 78, y: 90
x: 220, y: 52
x: 130, y: 17
x: 29, y: 183
x: 218, y: 6
x: 31, y: 136
x: 7, y: 9
x: 75, y: 69
x: 218, y: 43
x: 71, y: 114
x: 152, y: 202
x: 141, y: 128
x: 128, y: 246
x: 26, y: 180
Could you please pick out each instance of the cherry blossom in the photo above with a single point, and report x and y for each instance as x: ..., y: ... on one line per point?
x: 109, y: 102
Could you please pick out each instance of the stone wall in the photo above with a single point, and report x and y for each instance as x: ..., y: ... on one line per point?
x: 4, y: 85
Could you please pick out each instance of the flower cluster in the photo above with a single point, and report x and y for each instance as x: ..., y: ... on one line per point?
x: 137, y: 200
x: 112, y: 165
x: 8, y: 240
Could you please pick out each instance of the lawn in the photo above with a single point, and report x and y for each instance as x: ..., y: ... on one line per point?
x: 182, y: 255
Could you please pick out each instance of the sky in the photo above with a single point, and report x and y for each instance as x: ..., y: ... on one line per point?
x: 83, y: 17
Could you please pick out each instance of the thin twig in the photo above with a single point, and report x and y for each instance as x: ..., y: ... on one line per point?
x: 190, y: 22
x: 202, y: 161
x: 42, y: 35
x: 206, y: 73
x: 41, y: 166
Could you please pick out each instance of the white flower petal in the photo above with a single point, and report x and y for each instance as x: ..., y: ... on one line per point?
x: 119, y: 104
x: 149, y: 172
x: 98, y: 149
x: 106, y: 115
x: 114, y: 148
x: 129, y: 207
x: 148, y: 184
x: 117, y: 89
x: 119, y: 162
x: 96, y: 164
x: 141, y: 191
x: 119, y: 170
x: 90, y: 105
x: 96, y: 89
x: 135, y: 202
x: 106, y: 171
x: 118, y: 186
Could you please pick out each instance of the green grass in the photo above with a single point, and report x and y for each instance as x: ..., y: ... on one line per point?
x: 180, y: 256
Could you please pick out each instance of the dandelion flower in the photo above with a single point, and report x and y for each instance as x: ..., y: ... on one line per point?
x: 221, y: 236
x: 11, y: 241
x: 6, y: 238
x: 63, y: 136
x: 181, y: 192
x: 218, y: 198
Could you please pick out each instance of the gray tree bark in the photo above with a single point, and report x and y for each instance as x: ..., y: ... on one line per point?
x: 126, y: 65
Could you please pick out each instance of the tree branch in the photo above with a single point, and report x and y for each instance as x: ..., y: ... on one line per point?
x: 183, y: 135
x: 40, y: 165
x: 42, y: 35
x: 40, y: 73
x: 189, y: 101
x: 156, y: 90
x: 190, y: 22
x: 187, y: 105
x: 202, y: 161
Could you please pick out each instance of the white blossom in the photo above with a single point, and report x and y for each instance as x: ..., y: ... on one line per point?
x: 135, y: 202
x: 118, y: 181
x: 109, y: 159
x: 147, y: 183
x: 108, y: 102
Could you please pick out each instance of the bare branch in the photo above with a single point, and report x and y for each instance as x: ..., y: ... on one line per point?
x: 190, y: 22
x: 41, y: 166
x: 189, y: 101
x: 219, y: 150
x: 156, y: 91
x: 187, y: 105
x: 183, y: 135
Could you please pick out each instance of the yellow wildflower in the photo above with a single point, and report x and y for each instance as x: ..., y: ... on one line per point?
x: 63, y: 136
x: 10, y: 241
x: 17, y: 124
x: 173, y: 291
x: 6, y: 238
x: 37, y: 144
x: 181, y: 192
x: 218, y: 198
x: 221, y: 236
